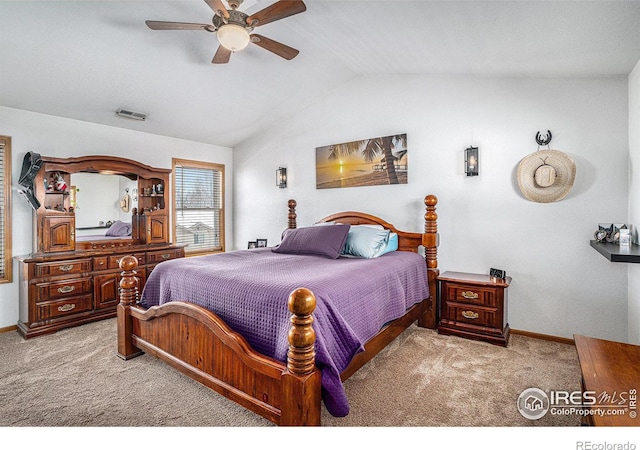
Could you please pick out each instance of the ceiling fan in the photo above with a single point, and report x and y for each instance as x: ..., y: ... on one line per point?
x: 234, y: 27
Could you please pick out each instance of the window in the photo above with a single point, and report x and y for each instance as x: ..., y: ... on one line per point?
x: 198, y: 212
x: 5, y: 209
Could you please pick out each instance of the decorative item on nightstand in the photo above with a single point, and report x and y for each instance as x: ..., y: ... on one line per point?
x: 474, y: 306
x: 498, y: 274
x: 471, y: 161
x: 281, y: 177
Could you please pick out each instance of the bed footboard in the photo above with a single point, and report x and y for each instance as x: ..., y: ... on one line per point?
x: 199, y: 344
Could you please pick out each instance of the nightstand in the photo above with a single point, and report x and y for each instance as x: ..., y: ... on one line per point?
x: 474, y: 306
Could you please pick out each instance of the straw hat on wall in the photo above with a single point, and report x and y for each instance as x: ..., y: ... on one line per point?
x: 546, y: 176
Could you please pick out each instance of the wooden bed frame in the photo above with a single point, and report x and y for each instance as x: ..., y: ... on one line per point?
x: 199, y: 344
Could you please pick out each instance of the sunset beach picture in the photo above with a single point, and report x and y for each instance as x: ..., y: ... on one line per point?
x: 362, y: 163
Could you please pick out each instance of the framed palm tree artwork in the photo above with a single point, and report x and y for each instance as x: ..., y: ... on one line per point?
x: 368, y: 162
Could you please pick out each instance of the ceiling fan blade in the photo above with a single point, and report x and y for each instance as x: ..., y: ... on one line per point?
x: 279, y: 10
x: 222, y: 55
x: 157, y: 25
x: 275, y: 47
x: 218, y: 7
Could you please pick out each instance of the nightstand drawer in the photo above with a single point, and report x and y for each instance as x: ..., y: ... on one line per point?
x: 483, y: 317
x: 473, y: 295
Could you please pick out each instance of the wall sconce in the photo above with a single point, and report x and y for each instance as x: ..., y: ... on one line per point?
x: 471, y: 161
x: 281, y: 177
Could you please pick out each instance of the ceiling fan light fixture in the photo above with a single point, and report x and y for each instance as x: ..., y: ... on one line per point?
x: 233, y: 37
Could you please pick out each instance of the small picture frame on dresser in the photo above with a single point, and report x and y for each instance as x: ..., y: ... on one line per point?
x: 252, y: 244
x: 260, y: 243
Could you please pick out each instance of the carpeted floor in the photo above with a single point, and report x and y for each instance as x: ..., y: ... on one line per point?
x: 74, y: 378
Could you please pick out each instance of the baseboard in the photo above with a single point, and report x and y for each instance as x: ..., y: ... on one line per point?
x: 545, y: 337
x: 7, y: 329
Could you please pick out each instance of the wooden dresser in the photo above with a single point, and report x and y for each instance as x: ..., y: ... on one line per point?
x: 69, y: 280
x: 474, y: 306
x: 68, y: 289
x: 610, y: 381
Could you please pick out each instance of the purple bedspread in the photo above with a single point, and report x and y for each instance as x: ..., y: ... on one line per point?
x: 249, y: 290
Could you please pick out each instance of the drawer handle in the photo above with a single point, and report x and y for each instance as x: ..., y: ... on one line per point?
x: 166, y: 256
x: 66, y: 267
x: 66, y: 289
x: 469, y: 295
x: 66, y: 307
x: 470, y: 315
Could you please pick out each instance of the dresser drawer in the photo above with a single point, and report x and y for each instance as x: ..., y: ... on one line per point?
x: 69, y: 267
x: 157, y: 257
x: 114, y: 261
x: 62, y: 289
x: 101, y: 263
x: 482, y: 317
x: 469, y: 294
x: 60, y: 308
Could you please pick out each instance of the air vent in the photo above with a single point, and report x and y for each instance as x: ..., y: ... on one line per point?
x: 128, y: 114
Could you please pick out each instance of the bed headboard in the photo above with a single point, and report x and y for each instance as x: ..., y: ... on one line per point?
x: 407, y: 241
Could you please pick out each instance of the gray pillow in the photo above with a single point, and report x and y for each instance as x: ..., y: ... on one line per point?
x: 119, y: 229
x: 320, y: 241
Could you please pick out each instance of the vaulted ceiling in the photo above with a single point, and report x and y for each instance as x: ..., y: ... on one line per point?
x: 85, y: 59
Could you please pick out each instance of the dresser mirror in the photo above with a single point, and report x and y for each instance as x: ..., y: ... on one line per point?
x: 99, y: 200
x: 99, y: 203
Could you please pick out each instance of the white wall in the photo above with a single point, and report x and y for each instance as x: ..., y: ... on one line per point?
x: 561, y: 286
x: 55, y: 136
x: 634, y: 201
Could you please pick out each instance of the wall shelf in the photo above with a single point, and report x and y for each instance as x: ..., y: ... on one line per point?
x: 617, y: 253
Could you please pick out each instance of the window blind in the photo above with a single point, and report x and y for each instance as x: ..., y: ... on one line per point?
x: 199, y: 207
x: 5, y: 192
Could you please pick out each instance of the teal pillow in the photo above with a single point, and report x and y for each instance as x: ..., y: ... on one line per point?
x: 366, y: 242
x: 392, y: 246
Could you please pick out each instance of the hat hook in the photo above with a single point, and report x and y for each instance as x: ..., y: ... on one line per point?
x: 543, y: 140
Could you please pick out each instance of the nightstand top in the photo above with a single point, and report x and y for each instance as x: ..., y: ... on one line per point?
x: 475, y: 278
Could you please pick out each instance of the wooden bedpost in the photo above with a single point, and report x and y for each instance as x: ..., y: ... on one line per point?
x: 301, y: 381
x: 430, y: 242
x: 431, y: 228
x: 292, y: 214
x: 128, y: 297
